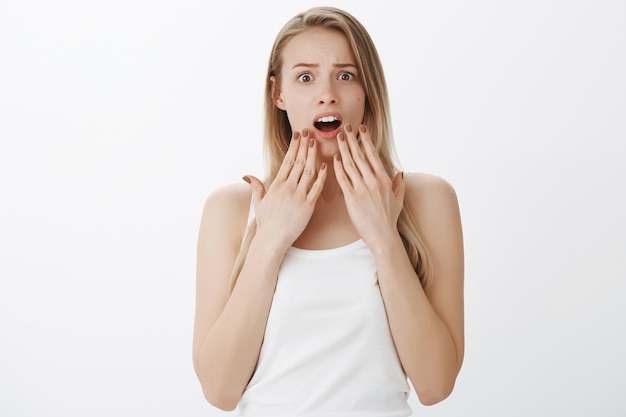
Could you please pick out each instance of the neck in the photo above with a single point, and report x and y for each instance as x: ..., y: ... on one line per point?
x: 331, y: 188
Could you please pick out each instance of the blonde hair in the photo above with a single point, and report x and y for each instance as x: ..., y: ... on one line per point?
x: 377, y: 118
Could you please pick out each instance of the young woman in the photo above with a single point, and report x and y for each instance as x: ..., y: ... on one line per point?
x: 326, y: 287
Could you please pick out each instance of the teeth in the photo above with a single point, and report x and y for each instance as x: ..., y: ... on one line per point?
x: 327, y: 119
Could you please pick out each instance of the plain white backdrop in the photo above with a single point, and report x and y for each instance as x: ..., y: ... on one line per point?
x: 118, y: 118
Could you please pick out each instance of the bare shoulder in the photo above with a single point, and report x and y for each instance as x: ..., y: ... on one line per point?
x: 229, y: 197
x: 433, y: 203
x: 225, y: 212
x: 427, y: 191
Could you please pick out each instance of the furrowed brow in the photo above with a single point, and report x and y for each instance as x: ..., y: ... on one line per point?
x: 305, y: 65
x: 308, y: 65
x: 345, y: 66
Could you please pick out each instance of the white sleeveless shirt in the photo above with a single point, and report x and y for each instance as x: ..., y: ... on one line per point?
x: 327, y: 351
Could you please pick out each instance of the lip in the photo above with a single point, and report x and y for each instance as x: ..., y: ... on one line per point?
x: 333, y: 133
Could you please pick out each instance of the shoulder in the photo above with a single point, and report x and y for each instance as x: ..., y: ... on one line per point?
x: 424, y: 190
x: 228, y: 198
x: 433, y: 203
x: 226, y: 210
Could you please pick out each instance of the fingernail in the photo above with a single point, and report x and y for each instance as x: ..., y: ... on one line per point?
x: 323, y: 166
x: 340, y: 136
x: 362, y: 128
x: 311, y: 143
x: 349, y: 128
x: 305, y: 133
x: 402, y: 173
x: 246, y: 179
x: 337, y: 157
x: 296, y: 136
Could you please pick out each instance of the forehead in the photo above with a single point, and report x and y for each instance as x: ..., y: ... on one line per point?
x: 318, y: 45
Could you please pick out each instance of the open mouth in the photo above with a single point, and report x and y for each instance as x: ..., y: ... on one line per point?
x: 327, y: 123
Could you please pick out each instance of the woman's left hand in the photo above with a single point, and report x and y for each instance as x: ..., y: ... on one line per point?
x: 373, y: 200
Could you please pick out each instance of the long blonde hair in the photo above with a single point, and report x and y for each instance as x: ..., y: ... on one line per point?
x: 377, y: 118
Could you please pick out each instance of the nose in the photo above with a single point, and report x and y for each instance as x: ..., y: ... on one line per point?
x: 327, y: 92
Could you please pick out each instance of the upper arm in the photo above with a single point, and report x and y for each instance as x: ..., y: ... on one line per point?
x: 222, y: 225
x: 435, y: 207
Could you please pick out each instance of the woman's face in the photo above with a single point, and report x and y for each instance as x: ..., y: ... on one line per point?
x: 320, y: 86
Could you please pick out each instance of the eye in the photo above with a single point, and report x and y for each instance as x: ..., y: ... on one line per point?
x: 346, y: 76
x: 305, y: 77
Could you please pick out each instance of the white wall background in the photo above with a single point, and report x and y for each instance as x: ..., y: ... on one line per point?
x: 118, y: 118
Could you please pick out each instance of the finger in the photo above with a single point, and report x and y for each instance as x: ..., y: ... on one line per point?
x: 300, y: 161
x: 357, y: 154
x: 371, y: 154
x: 290, y: 157
x: 308, y: 175
x: 348, y: 165
x: 258, y: 188
x: 341, y: 176
x: 318, y: 185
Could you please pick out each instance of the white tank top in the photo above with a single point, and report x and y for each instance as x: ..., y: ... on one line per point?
x: 327, y: 351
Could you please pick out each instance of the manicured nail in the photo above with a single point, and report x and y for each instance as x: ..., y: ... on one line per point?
x: 305, y: 133
x: 349, y: 128
x: 323, y: 166
x: 362, y: 128
x: 311, y: 143
x: 340, y: 136
x: 402, y: 173
x: 337, y: 157
x: 296, y: 136
x: 246, y: 179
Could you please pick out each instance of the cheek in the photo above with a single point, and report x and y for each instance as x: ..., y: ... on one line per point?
x: 360, y: 96
x: 360, y: 104
x: 295, y: 117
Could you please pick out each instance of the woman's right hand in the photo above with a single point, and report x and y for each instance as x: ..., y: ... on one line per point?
x: 283, y: 211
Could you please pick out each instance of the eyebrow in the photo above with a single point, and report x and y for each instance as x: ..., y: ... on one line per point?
x: 308, y: 65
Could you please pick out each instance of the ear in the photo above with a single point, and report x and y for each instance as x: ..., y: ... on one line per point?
x: 277, y: 95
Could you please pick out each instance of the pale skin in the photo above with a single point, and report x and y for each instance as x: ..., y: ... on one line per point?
x: 328, y: 192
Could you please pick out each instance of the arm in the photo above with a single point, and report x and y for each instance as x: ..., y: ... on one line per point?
x: 229, y: 327
x: 426, y: 326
